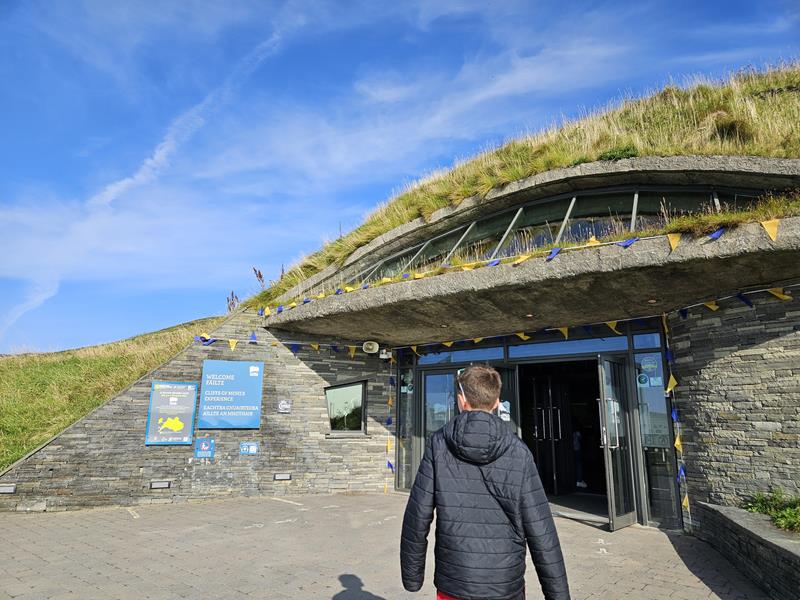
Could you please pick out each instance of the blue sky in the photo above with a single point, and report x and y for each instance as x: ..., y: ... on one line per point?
x: 155, y: 151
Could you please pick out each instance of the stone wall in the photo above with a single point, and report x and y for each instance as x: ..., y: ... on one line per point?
x: 102, y: 459
x: 765, y: 554
x: 738, y: 398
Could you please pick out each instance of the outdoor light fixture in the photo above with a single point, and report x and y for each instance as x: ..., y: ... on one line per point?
x: 282, y: 477
x: 653, y: 301
x: 443, y: 326
x: 160, y: 485
x: 530, y: 316
x: 8, y: 488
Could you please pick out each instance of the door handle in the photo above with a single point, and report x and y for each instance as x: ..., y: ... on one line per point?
x: 544, y: 427
x: 559, y: 423
x: 604, y: 440
x: 616, y: 423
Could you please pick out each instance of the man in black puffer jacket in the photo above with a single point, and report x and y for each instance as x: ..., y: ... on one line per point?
x: 489, y: 502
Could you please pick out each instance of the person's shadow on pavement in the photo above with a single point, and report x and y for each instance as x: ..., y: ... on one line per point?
x: 354, y: 589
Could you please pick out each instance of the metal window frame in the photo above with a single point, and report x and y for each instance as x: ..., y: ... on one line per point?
x: 458, y: 243
x: 507, y: 232
x: 361, y: 381
x: 566, y: 218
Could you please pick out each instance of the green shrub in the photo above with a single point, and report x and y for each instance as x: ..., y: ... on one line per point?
x: 782, y: 509
x: 620, y: 152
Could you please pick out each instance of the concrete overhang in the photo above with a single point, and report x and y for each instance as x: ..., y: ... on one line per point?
x: 744, y: 172
x: 586, y: 285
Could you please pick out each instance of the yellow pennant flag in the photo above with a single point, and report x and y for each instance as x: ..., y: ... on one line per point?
x: 205, y: 335
x: 414, y: 350
x: 390, y: 403
x: 711, y: 305
x: 419, y: 275
x: 779, y: 293
x: 674, y: 239
x: 477, y: 340
x: 267, y: 311
x: 678, y: 443
x: 351, y: 350
x: 521, y: 259
x: 685, y: 503
x: 564, y: 331
x: 771, y: 228
x: 320, y: 296
x: 274, y: 343
x: 664, y: 321
x: 521, y: 335
x: 612, y: 325
x: 385, y: 487
x: 388, y: 444
x: 386, y: 280
x: 467, y: 268
x: 447, y: 344
x: 315, y: 347
x: 291, y: 305
x: 392, y: 360
x: 232, y: 344
x: 673, y: 383
x: 348, y: 289
x: 592, y: 242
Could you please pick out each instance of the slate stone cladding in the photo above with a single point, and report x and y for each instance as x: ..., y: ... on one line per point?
x: 102, y: 459
x: 738, y: 399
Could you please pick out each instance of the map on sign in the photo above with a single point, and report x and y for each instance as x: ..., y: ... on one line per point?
x: 171, y: 413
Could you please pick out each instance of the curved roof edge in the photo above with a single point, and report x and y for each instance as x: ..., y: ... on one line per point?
x: 735, y: 171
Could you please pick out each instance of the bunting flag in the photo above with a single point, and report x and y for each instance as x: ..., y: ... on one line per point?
x: 274, y: 344
x: 306, y: 300
x: 744, y: 299
x: 294, y: 348
x: 674, y: 415
x: 351, y: 350
x: 588, y: 330
x: 684, y: 313
x: 232, y: 344
x: 553, y: 253
x: 386, y: 280
x: 205, y: 336
x: 253, y: 339
x: 521, y: 335
x: 405, y: 276
x: 320, y: 296
x: 365, y: 286
x: 279, y: 310
x: 592, y: 242
x: 334, y: 348
x: 388, y: 444
x: 521, y: 259
x: 681, y: 472
x: 447, y: 344
x: 673, y: 383
x: 627, y: 243
x: 414, y: 350
x: 392, y: 360
x: 711, y: 305
x: 669, y: 357
x: 260, y: 312
x: 348, y: 289
x: 674, y: 239
x: 678, y: 443
x: 419, y: 275
x: 388, y: 420
x: 467, y: 268
x: 390, y: 466
x: 684, y: 504
x: 292, y: 305
x: 664, y: 322
x: 392, y: 381
x: 477, y: 340
x: 612, y: 325
x: 339, y: 292
x: 315, y: 346
x: 493, y: 263
x: 390, y: 403
x: 564, y: 331
x: 267, y: 311
x: 779, y: 293
x: 717, y: 234
x: 771, y: 227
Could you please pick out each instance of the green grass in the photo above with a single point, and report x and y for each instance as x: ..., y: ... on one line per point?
x: 784, y: 510
x: 750, y: 113
x: 41, y: 394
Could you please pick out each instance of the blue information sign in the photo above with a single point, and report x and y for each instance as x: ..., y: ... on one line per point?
x: 204, y: 448
x: 230, y: 395
x: 248, y: 448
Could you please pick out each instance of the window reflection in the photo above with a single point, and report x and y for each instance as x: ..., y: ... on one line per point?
x: 567, y: 347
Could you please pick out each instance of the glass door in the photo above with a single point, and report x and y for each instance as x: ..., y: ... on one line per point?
x: 545, y: 433
x: 439, y: 400
x: 616, y: 442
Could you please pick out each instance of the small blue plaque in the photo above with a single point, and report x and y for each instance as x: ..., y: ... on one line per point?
x: 204, y: 448
x: 248, y: 448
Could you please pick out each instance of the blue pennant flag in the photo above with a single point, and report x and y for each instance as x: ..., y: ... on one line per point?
x: 744, y: 299
x: 306, y: 300
x: 493, y: 263
x: 553, y: 253
x: 388, y: 420
x: 197, y: 338
x: 391, y: 381
x: 627, y: 243
x: 209, y: 341
x: 684, y: 312
x: 406, y: 275
x: 716, y: 235
x: 339, y: 292
x: 365, y: 286
x: 334, y: 347
x: 640, y: 322
x: 294, y: 348
x: 681, y: 473
x: 587, y: 329
x: 253, y: 338
x: 260, y: 312
x: 670, y: 358
x: 674, y: 415
x: 390, y: 466
x: 279, y: 309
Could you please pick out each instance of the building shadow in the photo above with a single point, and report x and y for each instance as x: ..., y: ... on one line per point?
x: 354, y: 589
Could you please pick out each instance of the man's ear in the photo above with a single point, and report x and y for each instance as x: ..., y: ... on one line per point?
x: 462, y: 402
x: 496, y: 404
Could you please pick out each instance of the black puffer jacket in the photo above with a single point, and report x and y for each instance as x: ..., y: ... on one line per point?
x: 489, y: 502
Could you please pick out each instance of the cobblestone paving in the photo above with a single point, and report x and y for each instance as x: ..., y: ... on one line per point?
x: 311, y: 547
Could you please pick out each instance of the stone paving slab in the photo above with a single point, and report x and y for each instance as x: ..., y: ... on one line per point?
x: 311, y: 547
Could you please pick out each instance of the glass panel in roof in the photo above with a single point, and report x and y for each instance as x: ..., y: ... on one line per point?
x: 393, y: 267
x: 599, y: 215
x: 437, y: 249
x: 738, y: 200
x: 483, y: 238
x: 654, y: 209
x: 537, y: 226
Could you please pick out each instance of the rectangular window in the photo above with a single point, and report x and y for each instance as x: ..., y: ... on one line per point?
x: 456, y: 356
x: 568, y: 347
x: 405, y: 428
x: 345, y: 404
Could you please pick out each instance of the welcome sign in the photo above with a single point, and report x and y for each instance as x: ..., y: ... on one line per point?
x: 230, y: 395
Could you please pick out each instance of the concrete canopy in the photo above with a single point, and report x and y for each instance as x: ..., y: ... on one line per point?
x: 586, y: 285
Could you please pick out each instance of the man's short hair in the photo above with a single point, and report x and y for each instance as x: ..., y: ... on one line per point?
x: 480, y: 385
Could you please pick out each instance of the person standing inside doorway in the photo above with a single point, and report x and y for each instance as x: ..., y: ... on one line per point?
x: 481, y: 481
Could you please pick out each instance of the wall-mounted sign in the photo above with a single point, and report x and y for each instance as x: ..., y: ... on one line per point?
x: 285, y: 406
x: 248, y: 448
x: 230, y: 395
x: 204, y: 448
x: 170, y: 418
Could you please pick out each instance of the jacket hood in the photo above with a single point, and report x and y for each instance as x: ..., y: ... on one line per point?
x: 477, y: 437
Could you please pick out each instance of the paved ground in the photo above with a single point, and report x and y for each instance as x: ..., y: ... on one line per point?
x: 318, y: 547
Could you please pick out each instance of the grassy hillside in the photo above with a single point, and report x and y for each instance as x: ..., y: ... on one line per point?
x: 41, y: 394
x: 751, y: 113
